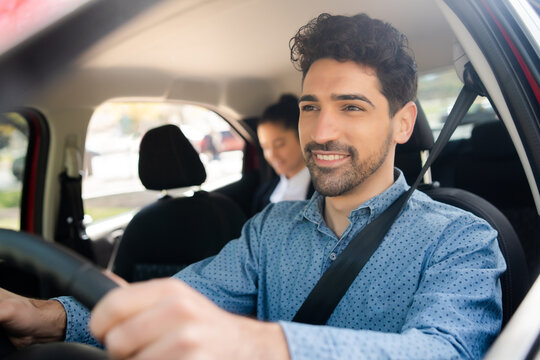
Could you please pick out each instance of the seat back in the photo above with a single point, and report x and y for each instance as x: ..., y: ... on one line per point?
x: 479, y: 171
x: 408, y: 155
x: 174, y: 232
x: 490, y: 163
x: 515, y: 281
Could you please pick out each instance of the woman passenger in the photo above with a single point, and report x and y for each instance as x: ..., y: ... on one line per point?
x: 277, y: 131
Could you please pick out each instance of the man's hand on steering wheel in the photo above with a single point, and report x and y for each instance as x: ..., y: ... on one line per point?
x: 28, y: 321
x: 165, y: 319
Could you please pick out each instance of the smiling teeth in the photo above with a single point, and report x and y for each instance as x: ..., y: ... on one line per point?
x: 330, y: 157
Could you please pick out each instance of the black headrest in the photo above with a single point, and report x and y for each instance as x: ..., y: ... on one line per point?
x: 491, y: 140
x: 421, y: 138
x: 167, y: 160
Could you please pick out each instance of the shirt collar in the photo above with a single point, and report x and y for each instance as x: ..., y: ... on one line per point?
x: 313, y: 211
x: 300, y: 179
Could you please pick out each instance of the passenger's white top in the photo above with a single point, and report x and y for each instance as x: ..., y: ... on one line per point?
x: 294, y: 188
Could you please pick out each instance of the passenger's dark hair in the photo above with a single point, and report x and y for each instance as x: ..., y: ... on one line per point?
x: 365, y: 41
x: 285, y: 112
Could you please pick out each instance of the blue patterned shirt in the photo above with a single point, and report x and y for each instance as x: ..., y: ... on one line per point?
x: 430, y: 291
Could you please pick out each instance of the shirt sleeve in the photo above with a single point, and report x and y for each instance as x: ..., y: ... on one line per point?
x: 77, y: 317
x: 229, y: 279
x: 456, y: 311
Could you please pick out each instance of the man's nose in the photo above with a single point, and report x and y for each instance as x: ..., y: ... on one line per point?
x: 326, y: 128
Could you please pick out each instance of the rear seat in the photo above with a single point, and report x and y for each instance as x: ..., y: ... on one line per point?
x: 487, y: 165
x: 490, y: 167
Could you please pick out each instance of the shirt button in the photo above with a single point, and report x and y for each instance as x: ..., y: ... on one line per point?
x: 333, y: 256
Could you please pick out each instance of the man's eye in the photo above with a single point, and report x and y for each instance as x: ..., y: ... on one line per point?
x: 352, y: 108
x: 308, y: 108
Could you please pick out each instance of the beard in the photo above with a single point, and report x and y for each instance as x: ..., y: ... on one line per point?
x: 340, y: 180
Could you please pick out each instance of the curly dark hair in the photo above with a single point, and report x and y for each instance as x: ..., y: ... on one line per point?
x: 365, y: 41
x: 285, y: 112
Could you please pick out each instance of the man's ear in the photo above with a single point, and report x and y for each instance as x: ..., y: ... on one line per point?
x: 404, y: 121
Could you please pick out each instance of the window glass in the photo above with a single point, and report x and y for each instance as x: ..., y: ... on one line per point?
x: 13, y: 147
x: 437, y: 93
x: 20, y: 19
x: 536, y: 5
x: 111, y: 185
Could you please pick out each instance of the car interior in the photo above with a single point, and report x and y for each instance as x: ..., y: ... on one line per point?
x: 515, y: 281
x: 167, y: 160
x: 128, y: 129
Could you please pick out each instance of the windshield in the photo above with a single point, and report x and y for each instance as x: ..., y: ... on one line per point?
x: 20, y: 19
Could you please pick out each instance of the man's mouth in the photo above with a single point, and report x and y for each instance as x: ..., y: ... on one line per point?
x: 326, y: 159
x: 330, y: 157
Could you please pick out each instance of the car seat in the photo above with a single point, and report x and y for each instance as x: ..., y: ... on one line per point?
x: 410, y: 157
x: 490, y: 164
x: 515, y: 281
x: 173, y: 232
x: 479, y: 171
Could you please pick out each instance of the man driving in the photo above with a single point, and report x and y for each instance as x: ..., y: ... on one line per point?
x: 431, y: 290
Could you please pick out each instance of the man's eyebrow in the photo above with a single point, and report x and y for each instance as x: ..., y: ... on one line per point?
x: 307, y: 98
x: 338, y: 97
x: 352, y: 97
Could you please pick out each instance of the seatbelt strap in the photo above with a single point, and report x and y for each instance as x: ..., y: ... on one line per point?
x: 334, y: 283
x: 70, y: 228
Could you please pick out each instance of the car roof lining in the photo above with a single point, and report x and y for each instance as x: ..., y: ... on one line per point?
x: 160, y: 45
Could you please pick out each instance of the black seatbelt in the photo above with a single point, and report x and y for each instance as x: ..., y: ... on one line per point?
x: 70, y: 229
x: 336, y: 280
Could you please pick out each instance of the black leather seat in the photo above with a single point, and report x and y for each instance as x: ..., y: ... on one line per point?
x: 515, y: 281
x: 408, y: 155
x: 479, y: 170
x: 174, y: 232
x: 491, y: 163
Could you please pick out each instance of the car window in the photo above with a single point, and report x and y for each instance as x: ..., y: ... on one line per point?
x: 437, y: 92
x: 13, y: 148
x: 111, y: 185
x: 536, y: 5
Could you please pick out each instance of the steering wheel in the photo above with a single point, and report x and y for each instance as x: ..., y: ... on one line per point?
x: 70, y: 272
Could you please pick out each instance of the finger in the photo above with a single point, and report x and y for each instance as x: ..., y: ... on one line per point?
x: 139, y: 331
x: 122, y: 303
x: 175, y: 345
x: 16, y: 312
x: 8, y: 308
x: 7, y: 305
